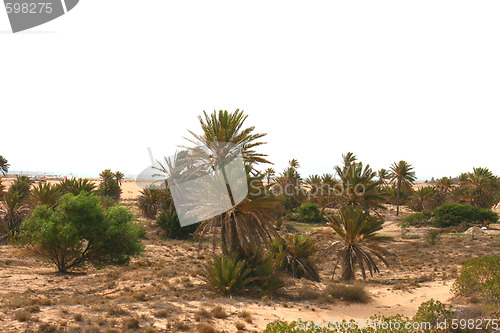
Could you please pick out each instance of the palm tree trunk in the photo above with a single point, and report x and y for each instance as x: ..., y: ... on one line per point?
x: 234, y: 244
x: 397, y: 197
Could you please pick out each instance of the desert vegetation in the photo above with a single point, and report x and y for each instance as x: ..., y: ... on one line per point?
x: 93, y: 259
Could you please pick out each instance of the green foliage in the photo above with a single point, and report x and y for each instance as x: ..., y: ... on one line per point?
x: 433, y: 236
x: 4, y: 165
x: 432, y: 311
x: 15, y: 211
x: 76, y: 186
x: 308, y: 213
x: 358, y: 185
x: 170, y: 225
x: 295, y: 254
x: 454, y: 214
x: 355, y: 239
x: 352, y: 293
x: 418, y: 219
x: 479, y: 188
x: 45, y: 194
x: 233, y: 275
x: 480, y: 276
x: 227, y: 274
x: 21, y: 186
x: 383, y: 325
x: 78, y: 231
x: 403, y: 176
x: 152, y: 200
x: 110, y: 184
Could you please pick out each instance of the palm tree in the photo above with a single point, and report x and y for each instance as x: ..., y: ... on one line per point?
x: 289, y: 184
x: 444, y: 185
x: 45, y: 194
x: 247, y: 224
x: 383, y: 176
x: 76, y: 186
x: 481, y: 187
x: 425, y: 198
x: 354, y: 240
x: 106, y: 176
x: 294, y: 163
x: 403, y: 176
x: 315, y: 183
x: 119, y: 176
x: 270, y: 173
x: 4, y: 165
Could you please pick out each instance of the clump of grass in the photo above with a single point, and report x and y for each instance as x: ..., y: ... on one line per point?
x: 202, y: 314
x: 350, y: 293
x: 219, y: 313
x: 433, y: 236
x: 78, y: 317
x: 161, y: 314
x: 131, y: 323
x: 240, y: 326
x: 246, y: 315
x: 22, y: 315
x: 181, y: 326
x: 205, y: 328
x: 116, y: 311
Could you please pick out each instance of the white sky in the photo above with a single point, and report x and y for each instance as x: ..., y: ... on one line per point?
x: 388, y: 80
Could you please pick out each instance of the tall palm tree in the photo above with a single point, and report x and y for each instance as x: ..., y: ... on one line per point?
x: 247, y: 224
x: 383, y: 176
x: 119, y: 176
x: 359, y: 186
x: 270, y: 173
x: 289, y: 184
x: 4, y: 165
x: 403, y: 176
x: 294, y: 163
x: 354, y: 240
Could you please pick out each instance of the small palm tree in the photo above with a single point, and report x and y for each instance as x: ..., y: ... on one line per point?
x: 45, y: 194
x: 354, y: 240
x: 295, y: 254
x: 425, y: 198
x: 403, y: 176
x: 4, y: 165
x: 76, y: 186
x: 119, y: 176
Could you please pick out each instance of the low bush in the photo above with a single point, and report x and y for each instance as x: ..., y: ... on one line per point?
x: 79, y: 231
x: 171, y: 227
x: 480, y: 277
x: 417, y: 219
x: 453, y: 214
x: 295, y: 254
x: 350, y: 293
x: 433, y: 312
x: 232, y: 275
x: 308, y: 213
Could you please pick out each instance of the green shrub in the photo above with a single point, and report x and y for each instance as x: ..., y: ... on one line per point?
x: 417, y: 219
x: 308, y: 213
x: 433, y: 311
x: 78, y: 232
x: 303, y: 326
x: 227, y: 274
x: 171, y: 227
x: 295, y: 254
x: 453, y: 214
x: 433, y: 236
x: 350, y: 293
x: 480, y: 276
x: 232, y: 275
